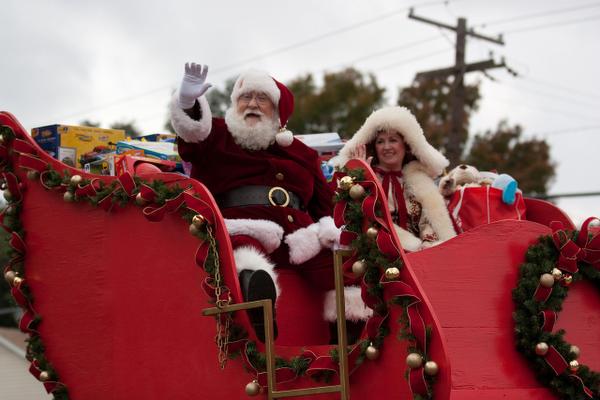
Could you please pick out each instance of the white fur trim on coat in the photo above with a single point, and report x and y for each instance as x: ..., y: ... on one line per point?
x: 402, y: 120
x: 191, y: 131
x: 268, y: 233
x: 355, y: 308
x: 304, y: 243
x: 255, y: 81
x: 249, y: 258
x: 408, y: 241
x: 425, y: 191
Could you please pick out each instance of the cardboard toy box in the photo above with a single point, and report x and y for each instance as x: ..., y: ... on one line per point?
x: 102, y: 166
x: 70, y: 144
x: 159, y: 150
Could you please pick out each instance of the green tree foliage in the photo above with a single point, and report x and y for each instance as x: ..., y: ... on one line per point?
x: 341, y: 105
x: 431, y: 102
x: 129, y: 127
x: 219, y: 100
x: 6, y: 302
x: 503, y: 149
x: 87, y: 122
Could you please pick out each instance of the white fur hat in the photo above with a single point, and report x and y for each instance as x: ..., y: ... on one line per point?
x: 255, y: 81
x: 404, y: 122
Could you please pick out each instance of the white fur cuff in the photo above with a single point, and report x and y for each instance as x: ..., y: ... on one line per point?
x: 304, y: 244
x: 268, y: 233
x: 408, y: 241
x: 329, y: 234
x: 249, y: 258
x: 189, y: 130
x: 355, y: 308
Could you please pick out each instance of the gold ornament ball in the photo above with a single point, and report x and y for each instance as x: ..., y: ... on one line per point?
x: 372, y: 232
x: 32, y: 175
x: 7, y: 195
x: 252, y: 388
x: 10, y: 276
x: 68, y: 197
x: 17, y: 281
x: 357, y: 192
x: 44, y: 376
x: 359, y: 267
x: 198, y: 220
x: 574, y: 365
x: 345, y: 183
x: 372, y: 353
x: 575, y: 351
x: 76, y: 179
x: 568, y: 279
x: 392, y: 273
x: 194, y: 230
x: 547, y: 280
x: 556, y: 274
x: 541, y: 348
x: 139, y: 200
x: 414, y: 360
x: 431, y: 368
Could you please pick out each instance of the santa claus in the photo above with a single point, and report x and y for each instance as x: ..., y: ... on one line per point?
x: 267, y: 183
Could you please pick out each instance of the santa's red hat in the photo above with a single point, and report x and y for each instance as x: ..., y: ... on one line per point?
x: 280, y: 95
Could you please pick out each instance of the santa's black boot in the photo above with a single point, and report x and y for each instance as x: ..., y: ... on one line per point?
x: 258, y: 285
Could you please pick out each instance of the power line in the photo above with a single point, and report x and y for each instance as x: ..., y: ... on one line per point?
x: 390, y: 50
x: 537, y: 15
x: 568, y: 130
x: 543, y: 109
x: 222, y: 69
x: 408, y: 60
x: 546, y: 95
x: 561, y: 87
x: 324, y: 36
x: 553, y: 25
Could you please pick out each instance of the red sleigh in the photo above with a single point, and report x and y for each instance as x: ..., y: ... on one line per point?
x: 113, y: 288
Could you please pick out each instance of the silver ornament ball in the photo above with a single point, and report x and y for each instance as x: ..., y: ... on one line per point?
x: 414, y: 360
x: 547, y: 280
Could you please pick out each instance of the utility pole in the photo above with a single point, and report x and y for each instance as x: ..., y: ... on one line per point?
x: 460, y: 68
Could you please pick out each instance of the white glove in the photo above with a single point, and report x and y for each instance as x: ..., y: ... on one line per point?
x: 193, y: 84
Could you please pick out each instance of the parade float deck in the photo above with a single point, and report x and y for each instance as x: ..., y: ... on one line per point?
x: 113, y: 290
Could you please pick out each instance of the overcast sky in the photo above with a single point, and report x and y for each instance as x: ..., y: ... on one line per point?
x: 108, y: 61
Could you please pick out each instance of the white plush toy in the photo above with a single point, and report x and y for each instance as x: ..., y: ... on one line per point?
x: 468, y: 176
x: 461, y: 176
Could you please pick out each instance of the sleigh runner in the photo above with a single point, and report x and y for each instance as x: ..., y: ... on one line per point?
x: 122, y: 316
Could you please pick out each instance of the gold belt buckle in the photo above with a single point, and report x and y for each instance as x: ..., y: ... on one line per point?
x: 285, y: 192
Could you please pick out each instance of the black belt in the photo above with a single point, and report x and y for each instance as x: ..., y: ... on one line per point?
x: 259, y: 196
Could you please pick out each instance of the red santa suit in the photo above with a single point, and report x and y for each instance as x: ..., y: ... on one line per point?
x: 240, y: 178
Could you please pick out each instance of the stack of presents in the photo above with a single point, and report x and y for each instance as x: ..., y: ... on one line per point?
x: 107, y: 151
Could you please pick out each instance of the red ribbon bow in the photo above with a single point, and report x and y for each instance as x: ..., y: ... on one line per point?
x: 390, y: 178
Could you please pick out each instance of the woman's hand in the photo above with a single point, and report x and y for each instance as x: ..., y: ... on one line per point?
x: 360, y: 153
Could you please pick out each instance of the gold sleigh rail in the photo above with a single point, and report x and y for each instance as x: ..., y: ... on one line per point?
x: 273, y: 393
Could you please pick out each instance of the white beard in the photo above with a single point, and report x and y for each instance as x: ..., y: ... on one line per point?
x: 257, y: 137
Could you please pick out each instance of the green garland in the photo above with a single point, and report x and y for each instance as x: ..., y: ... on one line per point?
x: 376, y: 263
x: 541, y: 258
